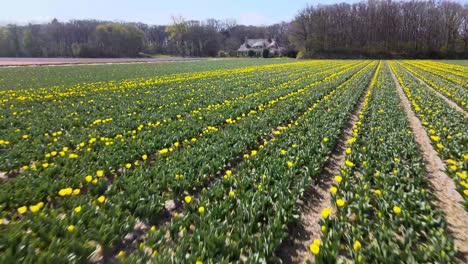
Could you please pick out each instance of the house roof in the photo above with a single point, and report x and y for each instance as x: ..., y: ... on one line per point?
x: 257, y: 42
x: 263, y: 43
x: 273, y: 45
x: 243, y: 48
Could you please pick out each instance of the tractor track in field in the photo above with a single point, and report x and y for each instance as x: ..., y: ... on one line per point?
x: 173, y: 207
x: 447, y: 100
x: 442, y: 186
x: 295, y: 248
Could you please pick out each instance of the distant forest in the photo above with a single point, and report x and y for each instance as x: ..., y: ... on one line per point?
x: 409, y: 29
x: 373, y: 29
x: 92, y: 38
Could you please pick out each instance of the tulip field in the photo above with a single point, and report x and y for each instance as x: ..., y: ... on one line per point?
x: 207, y: 161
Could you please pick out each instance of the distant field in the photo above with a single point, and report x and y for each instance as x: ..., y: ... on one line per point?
x: 459, y: 62
x: 206, y: 162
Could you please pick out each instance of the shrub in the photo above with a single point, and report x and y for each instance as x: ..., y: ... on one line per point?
x: 300, y: 55
x: 291, y: 53
x: 222, y: 54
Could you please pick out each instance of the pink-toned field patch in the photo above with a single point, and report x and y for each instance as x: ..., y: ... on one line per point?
x: 60, y: 61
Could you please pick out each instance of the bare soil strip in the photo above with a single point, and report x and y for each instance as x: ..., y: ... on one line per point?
x: 443, y: 187
x: 18, y: 62
x: 295, y: 248
x: 450, y: 102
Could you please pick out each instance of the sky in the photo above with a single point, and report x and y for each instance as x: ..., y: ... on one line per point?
x: 154, y: 12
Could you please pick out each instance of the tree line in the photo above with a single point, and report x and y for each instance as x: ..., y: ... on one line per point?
x: 410, y: 29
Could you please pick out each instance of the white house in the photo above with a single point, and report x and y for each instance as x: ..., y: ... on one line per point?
x: 258, y: 45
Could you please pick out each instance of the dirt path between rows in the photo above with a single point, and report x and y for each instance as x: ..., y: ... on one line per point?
x: 450, y: 102
x: 443, y: 187
x: 295, y: 248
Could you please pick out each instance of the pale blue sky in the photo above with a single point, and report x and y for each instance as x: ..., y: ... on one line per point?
x: 255, y: 12
x: 248, y: 12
